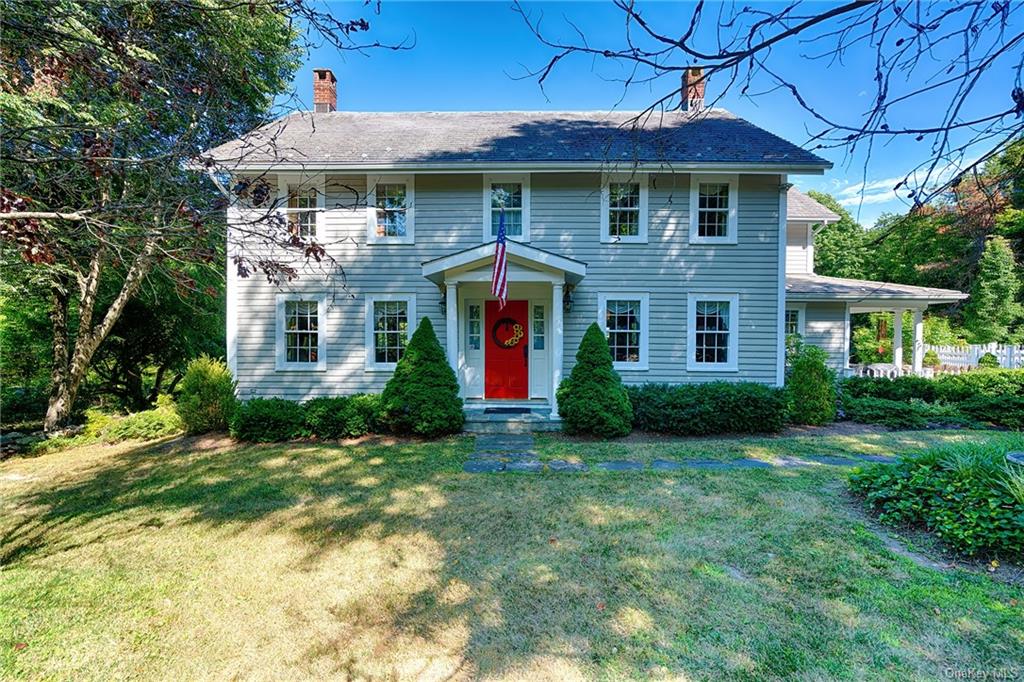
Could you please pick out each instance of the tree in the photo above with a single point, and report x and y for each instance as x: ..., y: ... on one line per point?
x: 104, y: 107
x: 592, y: 399
x: 839, y: 249
x: 993, y: 311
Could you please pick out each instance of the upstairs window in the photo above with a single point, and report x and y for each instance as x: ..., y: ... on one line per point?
x: 623, y: 319
x: 713, y: 210
x: 624, y: 209
x: 510, y: 194
x: 301, y: 344
x: 389, y: 218
x: 302, y: 205
x: 713, y: 337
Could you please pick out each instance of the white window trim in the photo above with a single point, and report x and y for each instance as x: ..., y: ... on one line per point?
x: 524, y: 180
x: 317, y: 182
x: 691, y: 332
x: 410, y: 300
x: 645, y: 314
x: 732, y: 223
x: 642, y: 180
x: 280, y: 364
x: 801, y: 323
x: 371, y: 208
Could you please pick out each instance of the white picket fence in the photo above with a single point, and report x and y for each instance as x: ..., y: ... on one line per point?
x: 967, y: 356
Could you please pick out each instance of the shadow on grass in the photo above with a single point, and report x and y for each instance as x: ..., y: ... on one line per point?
x: 743, y: 573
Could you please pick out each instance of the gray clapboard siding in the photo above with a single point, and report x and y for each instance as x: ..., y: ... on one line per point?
x: 825, y: 326
x: 565, y: 218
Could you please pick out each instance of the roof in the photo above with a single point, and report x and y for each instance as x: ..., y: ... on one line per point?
x: 799, y: 206
x: 397, y: 139
x: 573, y: 269
x: 819, y: 288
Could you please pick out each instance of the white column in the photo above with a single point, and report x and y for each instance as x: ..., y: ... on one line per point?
x: 897, y: 339
x: 557, y: 344
x: 918, y: 355
x: 452, y: 325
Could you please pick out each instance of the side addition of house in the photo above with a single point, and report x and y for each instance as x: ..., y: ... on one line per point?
x: 678, y: 233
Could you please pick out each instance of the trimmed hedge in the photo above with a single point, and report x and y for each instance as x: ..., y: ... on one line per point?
x: 951, y: 388
x: 342, y: 417
x: 895, y: 414
x: 422, y: 397
x: 967, y: 494
x: 592, y: 400
x: 901, y: 388
x: 265, y: 420
x: 206, y: 396
x: 708, y: 409
x: 1003, y: 411
x: 811, y: 387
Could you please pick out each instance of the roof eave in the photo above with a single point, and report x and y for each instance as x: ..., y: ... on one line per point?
x: 513, y: 167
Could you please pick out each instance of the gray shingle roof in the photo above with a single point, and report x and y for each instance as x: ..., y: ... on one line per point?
x: 799, y: 206
x: 818, y: 287
x: 410, y: 138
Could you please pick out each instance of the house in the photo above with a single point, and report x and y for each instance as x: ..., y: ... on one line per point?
x: 681, y: 236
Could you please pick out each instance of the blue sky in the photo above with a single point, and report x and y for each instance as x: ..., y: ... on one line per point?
x: 473, y: 55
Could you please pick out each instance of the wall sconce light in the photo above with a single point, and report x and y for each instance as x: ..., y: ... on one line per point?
x: 443, y: 303
x: 567, y: 298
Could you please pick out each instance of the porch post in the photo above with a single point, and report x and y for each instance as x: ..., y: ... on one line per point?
x: 918, y: 356
x: 556, y: 345
x: 897, y: 339
x: 451, y: 335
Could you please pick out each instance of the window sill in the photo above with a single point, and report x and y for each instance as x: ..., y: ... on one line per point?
x: 301, y: 368
x: 712, y: 241
x: 390, y: 241
x: 381, y: 368
x: 605, y: 239
x: 629, y: 367
x: 694, y: 367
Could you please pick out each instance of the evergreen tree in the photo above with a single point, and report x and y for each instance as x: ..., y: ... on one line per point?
x: 592, y: 400
x: 993, y: 311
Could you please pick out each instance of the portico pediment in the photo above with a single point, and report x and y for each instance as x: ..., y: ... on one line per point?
x: 526, y: 263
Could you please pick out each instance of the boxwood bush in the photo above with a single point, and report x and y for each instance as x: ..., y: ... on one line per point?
x: 901, y: 388
x: 342, y: 417
x: 592, y: 400
x: 265, y: 420
x: 206, y: 396
x: 707, y: 409
x: 810, y: 387
x: 967, y: 494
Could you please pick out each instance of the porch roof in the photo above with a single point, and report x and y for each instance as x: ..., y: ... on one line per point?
x: 801, y: 287
x: 573, y: 270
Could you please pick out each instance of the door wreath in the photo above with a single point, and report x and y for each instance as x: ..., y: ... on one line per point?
x: 517, y: 333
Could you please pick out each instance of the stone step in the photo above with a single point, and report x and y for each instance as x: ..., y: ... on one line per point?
x: 511, y: 426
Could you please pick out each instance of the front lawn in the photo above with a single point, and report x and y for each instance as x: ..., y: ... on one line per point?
x: 205, y: 559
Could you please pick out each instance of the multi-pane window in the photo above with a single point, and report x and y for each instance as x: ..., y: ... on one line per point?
x: 302, y: 211
x: 301, y: 332
x: 622, y: 324
x: 538, y: 327
x: 792, y: 321
x: 392, y: 206
x: 473, y: 327
x: 507, y: 196
x: 713, y: 209
x: 390, y: 330
x: 711, y: 342
x: 623, y: 209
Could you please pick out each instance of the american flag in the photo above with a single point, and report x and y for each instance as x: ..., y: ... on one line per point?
x: 499, y: 276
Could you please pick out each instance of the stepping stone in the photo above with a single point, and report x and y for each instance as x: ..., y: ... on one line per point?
x: 620, y: 465
x: 749, y: 464
x: 788, y: 462
x: 531, y: 466
x: 483, y: 466
x: 715, y: 464
x: 884, y: 459
x: 503, y: 455
x: 562, y: 465
x: 504, y: 443
x: 834, y: 460
x: 666, y: 465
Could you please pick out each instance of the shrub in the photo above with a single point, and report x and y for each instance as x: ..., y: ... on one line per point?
x: 892, y: 413
x: 966, y: 493
x: 901, y: 388
x: 811, y: 388
x: 342, y: 417
x: 161, y: 421
x: 1006, y: 411
x: 422, y: 397
x: 931, y: 359
x: 707, y: 409
x: 264, y: 420
x: 23, y: 403
x: 206, y: 399
x: 955, y: 388
x: 592, y: 400
x: 988, y: 361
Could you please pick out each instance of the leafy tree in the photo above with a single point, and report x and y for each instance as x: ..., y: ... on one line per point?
x: 839, y: 247
x: 993, y: 311
x: 592, y: 399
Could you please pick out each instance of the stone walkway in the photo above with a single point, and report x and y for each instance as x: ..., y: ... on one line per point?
x: 514, y: 452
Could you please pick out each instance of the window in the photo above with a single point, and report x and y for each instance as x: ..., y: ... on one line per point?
x: 624, y: 209
x: 301, y: 344
x: 623, y: 319
x: 389, y: 213
x: 538, y: 327
x: 473, y: 327
x: 302, y: 211
x: 713, y: 210
x: 713, y: 336
x: 509, y: 194
x: 389, y: 322
x: 794, y: 320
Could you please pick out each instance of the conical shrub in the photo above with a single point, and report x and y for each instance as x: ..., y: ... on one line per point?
x: 592, y: 399
x: 422, y: 397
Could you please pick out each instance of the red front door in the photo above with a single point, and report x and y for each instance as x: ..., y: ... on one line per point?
x: 506, y: 351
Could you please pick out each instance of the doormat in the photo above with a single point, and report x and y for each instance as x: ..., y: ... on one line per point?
x: 507, y: 410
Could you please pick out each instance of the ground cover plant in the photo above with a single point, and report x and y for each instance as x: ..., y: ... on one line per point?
x: 203, y: 558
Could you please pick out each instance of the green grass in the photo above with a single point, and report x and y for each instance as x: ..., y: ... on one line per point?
x: 204, y: 559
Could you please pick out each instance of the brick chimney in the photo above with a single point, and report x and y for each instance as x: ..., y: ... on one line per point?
x: 325, y: 91
x: 693, y: 89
